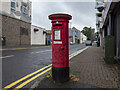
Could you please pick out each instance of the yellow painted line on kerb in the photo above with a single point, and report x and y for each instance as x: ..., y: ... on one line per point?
x: 13, y: 49
x: 26, y: 82
x: 14, y: 83
x: 76, y: 53
x: 22, y: 48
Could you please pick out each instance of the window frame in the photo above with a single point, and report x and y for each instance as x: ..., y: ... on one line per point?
x: 24, y: 31
x: 13, y: 8
x: 25, y: 9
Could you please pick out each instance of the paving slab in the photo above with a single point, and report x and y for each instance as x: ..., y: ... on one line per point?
x: 88, y: 70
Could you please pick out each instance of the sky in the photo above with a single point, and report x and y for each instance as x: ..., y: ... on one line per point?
x: 83, y: 13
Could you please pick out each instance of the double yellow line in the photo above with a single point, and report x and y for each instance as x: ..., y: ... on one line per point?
x: 26, y: 82
x: 22, y: 48
x: 20, y: 86
x: 48, y: 68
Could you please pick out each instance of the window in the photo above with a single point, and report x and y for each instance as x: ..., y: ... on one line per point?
x: 23, y: 31
x: 13, y: 5
x: 25, y: 9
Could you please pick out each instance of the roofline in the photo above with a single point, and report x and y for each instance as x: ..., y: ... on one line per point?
x: 38, y: 26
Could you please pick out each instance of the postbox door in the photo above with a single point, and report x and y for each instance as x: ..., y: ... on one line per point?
x: 60, y: 48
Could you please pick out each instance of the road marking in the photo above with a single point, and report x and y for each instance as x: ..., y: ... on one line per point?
x: 14, y: 83
x: 78, y: 52
x: 22, y: 48
x: 39, y: 74
x: 26, y: 82
x: 7, y: 56
x: 40, y: 51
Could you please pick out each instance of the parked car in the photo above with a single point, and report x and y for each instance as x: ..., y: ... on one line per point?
x: 95, y: 41
x: 88, y: 42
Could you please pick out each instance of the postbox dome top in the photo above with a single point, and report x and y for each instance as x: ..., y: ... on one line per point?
x: 60, y: 16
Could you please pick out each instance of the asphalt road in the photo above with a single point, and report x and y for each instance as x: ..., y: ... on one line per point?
x: 18, y: 63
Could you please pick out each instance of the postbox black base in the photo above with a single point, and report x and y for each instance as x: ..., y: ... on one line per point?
x: 60, y: 74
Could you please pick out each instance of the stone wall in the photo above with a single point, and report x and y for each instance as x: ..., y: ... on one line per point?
x: 11, y: 30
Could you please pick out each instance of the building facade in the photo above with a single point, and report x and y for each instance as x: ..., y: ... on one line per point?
x: 93, y: 36
x: 75, y: 36
x: 38, y: 35
x: 83, y: 38
x: 70, y: 35
x: 16, y: 22
x: 108, y: 25
x: 75, y: 33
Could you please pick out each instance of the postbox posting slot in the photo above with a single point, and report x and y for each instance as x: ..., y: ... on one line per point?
x: 57, y: 25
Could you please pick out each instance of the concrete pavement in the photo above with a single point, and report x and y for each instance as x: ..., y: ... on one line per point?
x: 87, y: 70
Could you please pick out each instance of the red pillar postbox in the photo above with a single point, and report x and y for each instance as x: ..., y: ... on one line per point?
x: 60, y: 47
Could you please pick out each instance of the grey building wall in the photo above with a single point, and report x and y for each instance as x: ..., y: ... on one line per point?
x: 110, y: 27
x: 17, y: 13
x: 11, y: 30
x: 16, y: 25
x: 70, y: 35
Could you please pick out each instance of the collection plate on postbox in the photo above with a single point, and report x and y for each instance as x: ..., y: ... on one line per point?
x: 57, y: 37
x: 57, y: 32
